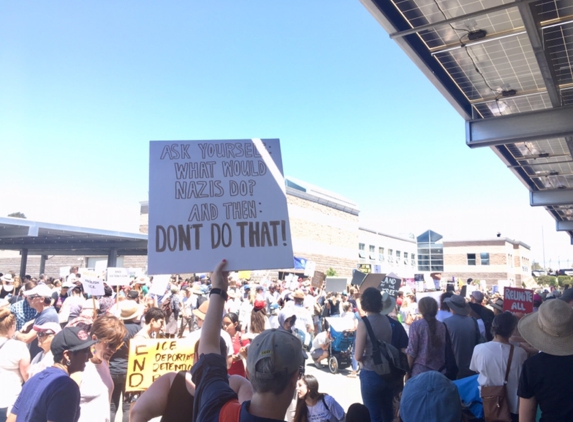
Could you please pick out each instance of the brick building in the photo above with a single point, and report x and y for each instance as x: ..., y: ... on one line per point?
x: 490, y: 260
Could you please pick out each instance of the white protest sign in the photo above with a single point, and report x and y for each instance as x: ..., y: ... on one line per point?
x: 93, y: 286
x: 159, y: 284
x: 64, y: 271
x: 336, y: 284
x: 210, y: 200
x: 118, y: 277
x: 310, y: 268
x: 435, y: 295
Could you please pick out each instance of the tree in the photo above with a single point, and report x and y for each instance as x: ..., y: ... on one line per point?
x: 331, y: 272
x: 17, y: 215
x: 547, y: 280
x: 563, y: 280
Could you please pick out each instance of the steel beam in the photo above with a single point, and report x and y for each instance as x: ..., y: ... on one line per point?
x: 467, y: 16
x: 23, y: 262
x: 547, y: 198
x: 547, y: 71
x: 564, y: 226
x: 112, y: 258
x: 521, y: 127
x: 43, y: 259
x: 84, y: 246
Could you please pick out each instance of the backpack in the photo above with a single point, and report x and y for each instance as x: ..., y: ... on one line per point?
x: 167, y: 307
x: 387, y: 362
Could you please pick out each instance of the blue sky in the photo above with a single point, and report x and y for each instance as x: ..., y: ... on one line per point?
x: 86, y: 85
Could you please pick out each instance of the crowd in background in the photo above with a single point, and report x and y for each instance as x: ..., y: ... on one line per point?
x: 454, y: 345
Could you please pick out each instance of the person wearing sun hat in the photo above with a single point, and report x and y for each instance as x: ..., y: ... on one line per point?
x: 464, y: 333
x: 54, y: 395
x: 546, y: 378
x: 44, y: 359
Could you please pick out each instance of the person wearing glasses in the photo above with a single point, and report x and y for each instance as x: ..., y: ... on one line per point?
x: 54, y: 395
x: 96, y: 384
x: 40, y: 298
x: 44, y: 359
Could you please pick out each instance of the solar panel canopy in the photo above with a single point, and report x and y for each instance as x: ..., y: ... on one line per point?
x: 507, y: 67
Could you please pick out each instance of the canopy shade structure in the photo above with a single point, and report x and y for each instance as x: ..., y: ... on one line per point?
x: 37, y: 238
x: 506, y: 66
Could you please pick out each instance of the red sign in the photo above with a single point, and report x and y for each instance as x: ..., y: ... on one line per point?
x: 518, y: 300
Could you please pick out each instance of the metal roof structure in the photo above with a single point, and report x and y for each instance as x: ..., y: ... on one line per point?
x: 506, y: 66
x: 37, y: 238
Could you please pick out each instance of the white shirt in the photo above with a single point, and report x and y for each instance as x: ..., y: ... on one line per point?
x: 320, y: 340
x: 194, y: 336
x: 40, y: 362
x: 490, y: 360
x: 11, y: 352
x: 95, y: 390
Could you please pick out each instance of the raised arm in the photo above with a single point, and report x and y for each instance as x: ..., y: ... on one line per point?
x: 211, y: 330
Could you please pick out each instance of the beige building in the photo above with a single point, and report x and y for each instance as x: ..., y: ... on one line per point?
x: 383, y: 253
x: 490, y: 260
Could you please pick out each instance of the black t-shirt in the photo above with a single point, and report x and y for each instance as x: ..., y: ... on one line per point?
x: 118, y: 362
x: 548, y: 378
x: 334, y: 307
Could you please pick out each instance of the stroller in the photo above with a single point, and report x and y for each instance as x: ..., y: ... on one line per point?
x: 342, y: 344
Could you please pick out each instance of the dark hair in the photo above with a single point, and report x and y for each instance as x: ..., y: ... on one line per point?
x: 504, y: 324
x: 357, y: 412
x: 428, y: 307
x: 222, y: 347
x: 301, y: 413
x: 154, y: 313
x: 234, y: 319
x: 107, y: 292
x: 29, y: 285
x: 371, y: 300
x: 443, y: 305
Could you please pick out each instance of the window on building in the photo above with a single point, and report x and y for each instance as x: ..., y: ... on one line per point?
x: 405, y: 255
x: 484, y: 257
x: 471, y: 259
x: 398, y: 254
x: 372, y: 252
x: 381, y: 254
x: 510, y: 260
x: 390, y: 255
x: 361, y: 253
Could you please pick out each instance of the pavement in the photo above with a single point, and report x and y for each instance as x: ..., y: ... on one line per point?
x: 345, y: 390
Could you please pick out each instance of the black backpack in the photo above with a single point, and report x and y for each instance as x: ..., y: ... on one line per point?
x: 387, y: 362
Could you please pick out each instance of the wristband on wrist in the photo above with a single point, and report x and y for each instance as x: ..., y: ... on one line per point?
x: 217, y: 291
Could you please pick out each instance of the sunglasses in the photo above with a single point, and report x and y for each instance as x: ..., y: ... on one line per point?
x: 45, y: 334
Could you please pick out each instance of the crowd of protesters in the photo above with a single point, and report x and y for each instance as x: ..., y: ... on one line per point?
x: 64, y: 355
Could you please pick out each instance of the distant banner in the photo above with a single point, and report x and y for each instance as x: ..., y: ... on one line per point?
x: 118, y: 277
x: 151, y: 358
x: 518, y: 300
x: 210, y: 200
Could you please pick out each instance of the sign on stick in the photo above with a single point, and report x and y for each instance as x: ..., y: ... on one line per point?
x: 118, y: 277
x: 518, y: 300
x: 336, y: 284
x: 151, y: 358
x: 210, y: 200
x: 93, y: 286
x: 317, y: 279
x: 391, y: 285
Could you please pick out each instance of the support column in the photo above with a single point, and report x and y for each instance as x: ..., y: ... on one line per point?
x: 23, y: 262
x: 112, y: 258
x: 43, y: 259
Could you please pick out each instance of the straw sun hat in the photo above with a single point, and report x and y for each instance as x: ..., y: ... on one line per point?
x: 550, y: 329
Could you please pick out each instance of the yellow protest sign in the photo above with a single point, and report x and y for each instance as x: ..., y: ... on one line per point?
x: 151, y: 358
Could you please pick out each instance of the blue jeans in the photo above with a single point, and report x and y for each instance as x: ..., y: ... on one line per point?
x: 3, y: 414
x: 377, y: 396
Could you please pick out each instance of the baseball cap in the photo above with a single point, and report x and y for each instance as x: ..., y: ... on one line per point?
x: 133, y: 294
x: 436, y: 397
x: 72, y: 339
x: 48, y: 326
x: 40, y: 290
x: 259, y: 304
x: 284, y: 350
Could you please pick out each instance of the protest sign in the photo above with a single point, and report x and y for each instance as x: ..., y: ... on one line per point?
x: 502, y: 284
x: 210, y: 200
x: 365, y: 268
x: 93, y: 286
x: 357, y: 277
x: 435, y: 295
x: 372, y: 280
x: 336, y: 284
x: 317, y: 279
x: 518, y: 300
x: 64, y: 271
x: 391, y: 285
x: 309, y: 268
x: 159, y: 284
x: 151, y: 358
x: 118, y: 277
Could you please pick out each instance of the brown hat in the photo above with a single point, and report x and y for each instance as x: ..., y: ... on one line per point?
x: 129, y: 309
x: 550, y: 329
x: 202, y: 310
x: 298, y: 294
